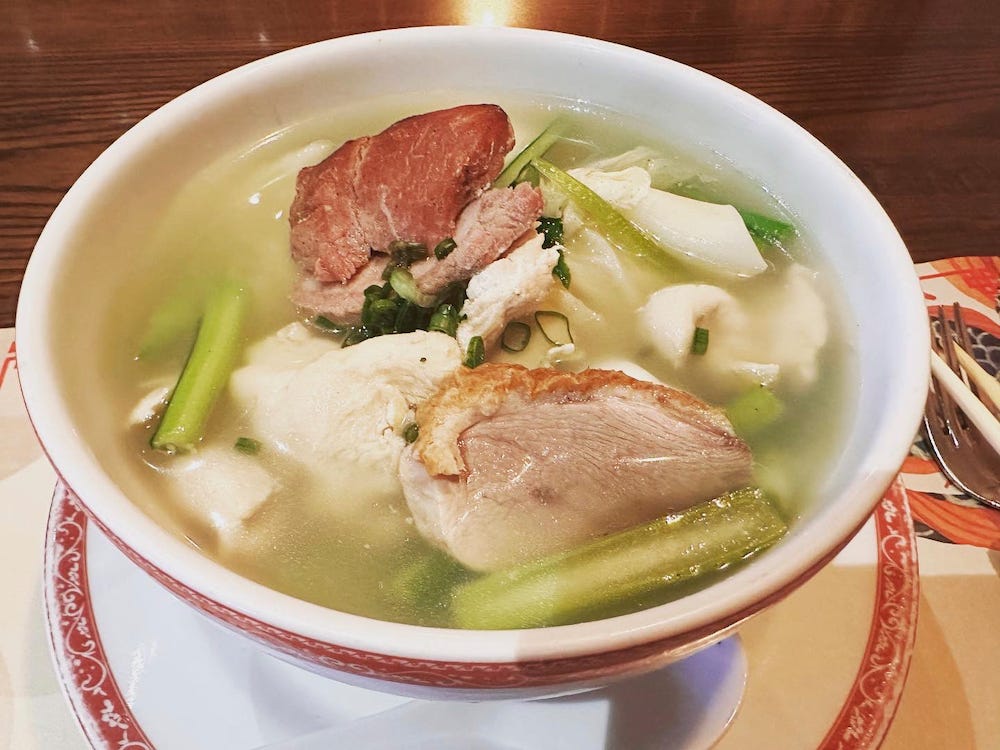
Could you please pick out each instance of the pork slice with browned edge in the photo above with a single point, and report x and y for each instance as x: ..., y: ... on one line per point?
x: 409, y: 182
x: 512, y: 464
x: 423, y: 179
x: 485, y: 230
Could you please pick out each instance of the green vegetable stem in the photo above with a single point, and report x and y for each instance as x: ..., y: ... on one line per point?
x: 647, y: 559
x: 754, y: 409
x: 171, y: 323
x: 206, y: 372
x: 537, y: 148
x: 613, y: 226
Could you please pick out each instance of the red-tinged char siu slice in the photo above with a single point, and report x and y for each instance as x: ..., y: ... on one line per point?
x: 486, y: 229
x: 410, y: 182
x: 512, y: 464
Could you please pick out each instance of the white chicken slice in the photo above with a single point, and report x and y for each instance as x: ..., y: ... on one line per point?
x: 505, y: 290
x: 329, y: 419
x: 345, y: 406
x: 672, y: 314
x: 763, y: 343
x: 221, y: 485
x: 150, y: 405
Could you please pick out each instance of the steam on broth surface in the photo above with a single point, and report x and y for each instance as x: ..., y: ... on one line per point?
x: 350, y: 543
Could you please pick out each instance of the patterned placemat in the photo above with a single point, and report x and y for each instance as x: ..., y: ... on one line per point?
x: 940, y: 510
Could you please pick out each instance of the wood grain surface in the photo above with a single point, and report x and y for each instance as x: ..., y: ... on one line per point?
x: 907, y: 93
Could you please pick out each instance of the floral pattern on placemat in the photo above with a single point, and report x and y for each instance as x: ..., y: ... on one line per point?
x: 940, y: 510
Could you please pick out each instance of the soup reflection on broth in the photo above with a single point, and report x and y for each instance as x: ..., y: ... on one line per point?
x: 397, y: 477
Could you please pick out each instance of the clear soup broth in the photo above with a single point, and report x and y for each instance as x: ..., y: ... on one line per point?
x: 352, y: 546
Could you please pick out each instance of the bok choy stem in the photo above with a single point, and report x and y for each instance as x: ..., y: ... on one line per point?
x: 171, y: 323
x: 613, y: 226
x: 754, y: 410
x: 641, y: 561
x: 206, y: 372
x: 537, y: 148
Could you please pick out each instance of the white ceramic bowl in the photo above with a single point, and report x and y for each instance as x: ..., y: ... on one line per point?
x: 88, y: 243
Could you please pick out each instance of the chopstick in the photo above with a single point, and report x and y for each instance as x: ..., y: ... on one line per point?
x: 987, y: 384
x: 966, y: 400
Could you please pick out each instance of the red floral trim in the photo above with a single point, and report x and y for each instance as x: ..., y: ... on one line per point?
x: 870, y: 706
x: 101, y: 711
x: 109, y: 724
x: 460, y: 675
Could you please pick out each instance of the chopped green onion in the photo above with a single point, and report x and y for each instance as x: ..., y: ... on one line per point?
x: 561, y: 269
x: 247, y: 445
x: 537, y: 148
x: 753, y: 410
x: 356, y: 335
x: 373, y: 294
x: 403, y: 253
x: 552, y: 229
x: 515, y: 337
x: 443, y: 249
x: 445, y: 320
x: 403, y: 284
x: 613, y: 226
x: 453, y: 294
x: 338, y: 329
x: 609, y: 575
x: 206, y: 372
x: 411, y: 432
x: 558, y: 332
x: 409, y: 317
x: 382, y: 316
x: 699, y: 345
x: 476, y: 353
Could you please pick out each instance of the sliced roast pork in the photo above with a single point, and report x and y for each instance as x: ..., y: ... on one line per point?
x: 511, y: 464
x: 485, y: 230
x: 409, y: 182
x: 422, y: 180
x: 339, y: 302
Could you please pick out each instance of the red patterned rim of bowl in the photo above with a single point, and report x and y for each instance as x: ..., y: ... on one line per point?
x: 863, y: 720
x: 456, y: 674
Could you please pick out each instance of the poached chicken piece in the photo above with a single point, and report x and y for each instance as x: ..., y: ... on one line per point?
x: 423, y: 179
x: 512, y: 464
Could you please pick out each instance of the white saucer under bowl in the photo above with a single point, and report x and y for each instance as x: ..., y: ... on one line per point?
x: 823, y: 669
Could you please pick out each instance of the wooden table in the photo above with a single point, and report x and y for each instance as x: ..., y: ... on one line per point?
x: 906, y: 92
